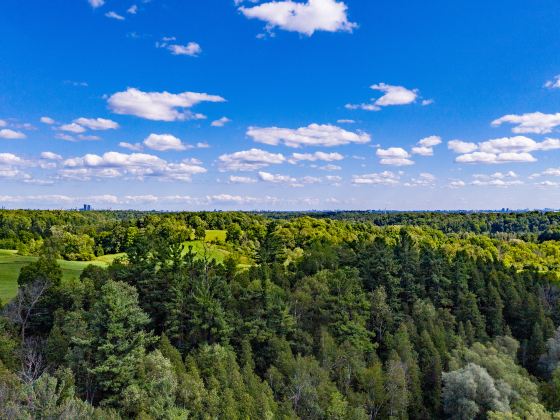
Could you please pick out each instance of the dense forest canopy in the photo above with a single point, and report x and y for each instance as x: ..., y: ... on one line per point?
x: 339, y: 315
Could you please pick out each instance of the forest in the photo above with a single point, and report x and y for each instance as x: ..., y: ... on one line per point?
x: 238, y: 315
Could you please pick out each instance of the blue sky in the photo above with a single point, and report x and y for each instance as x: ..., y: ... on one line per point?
x: 308, y: 104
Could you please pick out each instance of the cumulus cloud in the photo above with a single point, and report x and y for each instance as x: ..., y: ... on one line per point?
x: 501, y: 150
x: 395, y: 156
x: 305, y: 18
x: 132, y: 10
x: 425, y: 147
x: 9, y: 134
x: 220, y: 122
x: 3, y: 123
x: 490, y: 158
x: 47, y: 120
x: 10, y: 167
x: 159, y: 106
x: 457, y: 183
x: 277, y: 178
x: 136, y: 147
x: 313, y: 135
x: 554, y: 83
x: 382, y: 178
x: 96, y: 3
x: 241, y: 179
x: 393, y: 95
x: 50, y: 156
x: 425, y: 179
x: 163, y: 142
x: 134, y: 165
x: 249, y: 160
x: 459, y: 146
x: 313, y: 157
x: 330, y: 167
x: 497, y: 179
x: 192, y: 49
x: 96, y: 123
x: 72, y: 128
x: 114, y: 15
x: 535, y: 122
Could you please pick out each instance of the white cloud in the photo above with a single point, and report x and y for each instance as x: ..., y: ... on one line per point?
x: 3, y: 123
x: 430, y: 141
x: 220, y: 122
x: 72, y: 128
x: 96, y: 3
x: 426, y: 102
x: 459, y: 146
x: 305, y: 18
x: 497, y: 179
x: 6, y: 133
x: 345, y: 121
x: 10, y: 167
x: 163, y: 142
x: 249, y: 160
x: 535, y: 122
x: 136, y: 147
x: 495, y: 182
x: 47, y: 120
x: 547, y: 183
x: 423, y: 151
x: 335, y: 179
x: 393, y: 95
x: 554, y: 83
x: 501, y: 150
x: 96, y: 123
x: 114, y: 15
x: 277, y: 178
x: 11, y: 159
x: 50, y: 156
x: 457, y: 184
x: 313, y: 135
x: 134, y: 165
x: 425, y: 179
x: 490, y: 158
x: 241, y: 179
x: 330, y: 167
x: 395, y: 156
x: 159, y: 106
x: 425, y: 147
x: 191, y: 49
x: 132, y: 9
x: 312, y: 157
x: 382, y: 178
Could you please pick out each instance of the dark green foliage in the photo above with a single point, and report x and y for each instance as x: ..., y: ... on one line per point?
x: 307, y: 317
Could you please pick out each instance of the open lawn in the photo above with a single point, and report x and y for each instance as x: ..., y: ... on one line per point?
x: 212, y: 251
x: 216, y: 235
x: 11, y: 264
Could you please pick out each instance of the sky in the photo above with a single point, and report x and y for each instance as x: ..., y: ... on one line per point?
x: 279, y: 105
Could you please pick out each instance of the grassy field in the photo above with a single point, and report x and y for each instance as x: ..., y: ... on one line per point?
x: 11, y: 264
x: 215, y: 236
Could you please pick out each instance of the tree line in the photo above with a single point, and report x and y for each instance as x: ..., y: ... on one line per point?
x: 307, y: 317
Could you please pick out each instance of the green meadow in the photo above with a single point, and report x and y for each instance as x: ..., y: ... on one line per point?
x: 11, y: 263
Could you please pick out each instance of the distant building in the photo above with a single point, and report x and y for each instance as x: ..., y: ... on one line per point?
x: 87, y: 207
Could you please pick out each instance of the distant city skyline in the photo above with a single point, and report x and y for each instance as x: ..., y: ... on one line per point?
x: 286, y: 105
